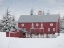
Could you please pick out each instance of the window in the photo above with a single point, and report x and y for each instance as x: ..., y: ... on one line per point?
x: 51, y: 24
x: 48, y: 29
x: 37, y: 24
x: 32, y: 25
x: 22, y: 25
x: 53, y: 29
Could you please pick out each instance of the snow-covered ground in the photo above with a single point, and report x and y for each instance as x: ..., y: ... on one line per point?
x: 6, y: 42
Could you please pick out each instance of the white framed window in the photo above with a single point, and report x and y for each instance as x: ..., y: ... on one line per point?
x: 37, y: 24
x: 32, y: 25
x: 48, y: 29
x: 51, y: 24
x: 53, y: 29
x: 22, y: 25
x: 41, y: 25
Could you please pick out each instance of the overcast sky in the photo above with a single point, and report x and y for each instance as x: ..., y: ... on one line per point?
x: 23, y: 7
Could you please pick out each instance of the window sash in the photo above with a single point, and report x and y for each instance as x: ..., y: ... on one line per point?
x: 53, y: 29
x: 48, y: 29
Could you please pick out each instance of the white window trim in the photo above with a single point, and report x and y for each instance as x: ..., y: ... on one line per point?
x: 53, y: 29
x: 51, y: 24
x: 48, y: 29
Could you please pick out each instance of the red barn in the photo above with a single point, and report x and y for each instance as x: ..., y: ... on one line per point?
x: 40, y: 24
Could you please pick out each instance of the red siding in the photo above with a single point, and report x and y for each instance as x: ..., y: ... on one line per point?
x: 26, y: 25
x: 19, y: 25
x: 7, y: 34
x: 15, y: 34
x: 41, y: 31
x: 46, y: 25
x: 29, y: 25
x: 39, y: 25
x: 12, y: 35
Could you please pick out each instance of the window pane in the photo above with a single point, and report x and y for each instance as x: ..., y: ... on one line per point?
x: 48, y: 29
x: 53, y: 29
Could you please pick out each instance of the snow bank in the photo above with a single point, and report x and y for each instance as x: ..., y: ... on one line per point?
x: 6, y: 42
x: 3, y: 40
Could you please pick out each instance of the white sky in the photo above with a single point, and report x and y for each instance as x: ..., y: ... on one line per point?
x: 23, y: 7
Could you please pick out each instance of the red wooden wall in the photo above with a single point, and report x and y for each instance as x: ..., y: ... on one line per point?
x: 15, y: 34
x: 46, y: 25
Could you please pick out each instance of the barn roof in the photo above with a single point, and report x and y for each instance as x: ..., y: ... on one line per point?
x: 39, y: 18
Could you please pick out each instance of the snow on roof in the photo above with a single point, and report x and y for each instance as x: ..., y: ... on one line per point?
x: 39, y: 18
x: 24, y: 31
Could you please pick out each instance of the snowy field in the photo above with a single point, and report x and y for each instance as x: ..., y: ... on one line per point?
x: 6, y: 42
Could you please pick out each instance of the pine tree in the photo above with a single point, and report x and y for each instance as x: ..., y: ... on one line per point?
x: 7, y: 23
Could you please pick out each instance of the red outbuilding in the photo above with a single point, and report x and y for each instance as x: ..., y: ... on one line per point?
x: 17, y: 34
x: 40, y: 24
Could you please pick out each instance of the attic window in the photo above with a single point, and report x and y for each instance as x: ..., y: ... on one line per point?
x: 37, y: 24
x: 22, y: 25
x: 51, y: 24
